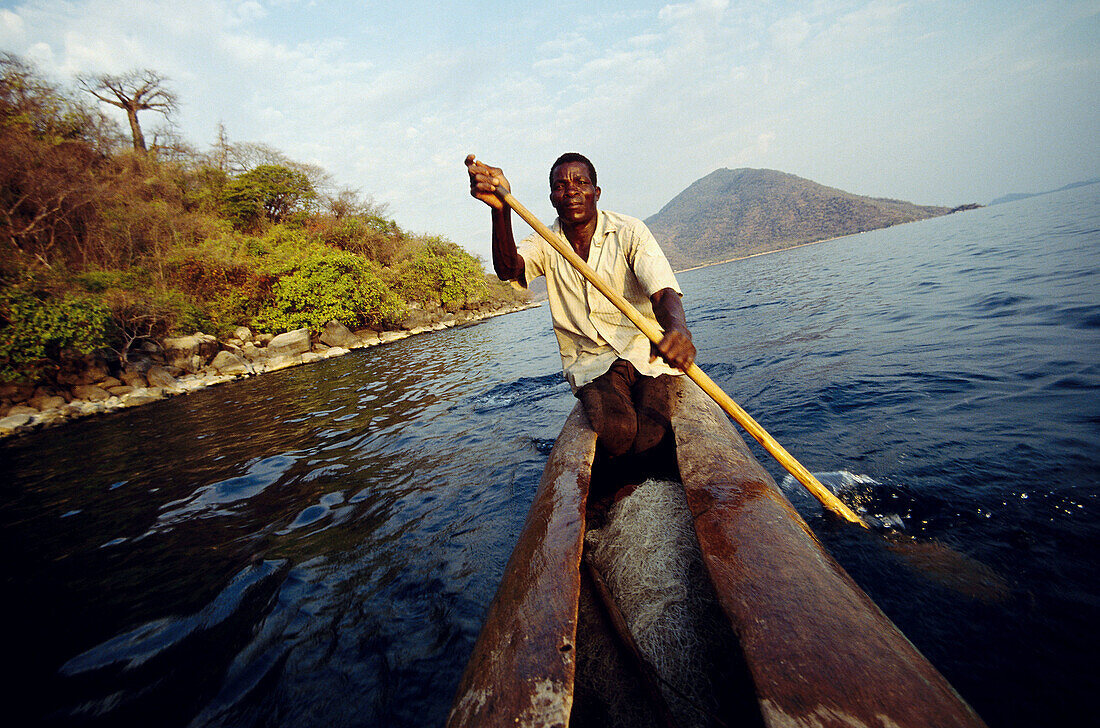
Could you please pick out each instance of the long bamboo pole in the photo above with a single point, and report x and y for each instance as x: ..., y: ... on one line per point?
x: 697, y: 375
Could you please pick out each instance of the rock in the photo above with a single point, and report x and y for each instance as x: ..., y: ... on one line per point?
x: 90, y: 393
x: 336, y: 334
x: 264, y: 339
x: 416, y: 320
x: 291, y: 343
x: 20, y: 409
x: 368, y: 337
x: 281, y: 361
x: 226, y: 362
x: 95, y: 373
x: 182, y: 351
x: 46, y: 402
x: 11, y: 423
x: 133, y: 378
x: 243, y: 333
x: 311, y: 356
x: 159, y: 377
x: 110, y: 382
x: 252, y: 352
x: 336, y: 351
x: 142, y: 396
x: 388, y: 336
x: 15, y: 392
x: 120, y: 390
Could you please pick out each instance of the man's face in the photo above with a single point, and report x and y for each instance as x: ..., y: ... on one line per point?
x: 572, y: 193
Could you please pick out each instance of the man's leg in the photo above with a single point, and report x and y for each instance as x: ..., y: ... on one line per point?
x: 652, y: 402
x: 609, y: 403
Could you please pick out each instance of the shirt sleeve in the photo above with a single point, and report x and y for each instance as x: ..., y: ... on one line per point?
x: 649, y: 263
x: 533, y: 253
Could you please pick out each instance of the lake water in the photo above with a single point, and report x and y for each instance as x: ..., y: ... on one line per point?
x: 317, y: 546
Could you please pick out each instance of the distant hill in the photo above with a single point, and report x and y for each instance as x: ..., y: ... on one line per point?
x: 732, y: 213
x: 1024, y: 195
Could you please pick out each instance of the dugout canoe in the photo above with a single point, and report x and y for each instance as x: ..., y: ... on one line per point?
x: 818, y: 651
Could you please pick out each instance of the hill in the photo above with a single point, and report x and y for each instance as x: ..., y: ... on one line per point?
x: 1014, y: 196
x: 732, y: 213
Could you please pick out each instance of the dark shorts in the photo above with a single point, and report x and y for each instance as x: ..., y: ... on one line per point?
x: 629, y: 412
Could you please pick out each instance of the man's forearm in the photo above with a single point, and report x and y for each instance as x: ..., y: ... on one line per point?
x: 507, y: 261
x: 669, y: 310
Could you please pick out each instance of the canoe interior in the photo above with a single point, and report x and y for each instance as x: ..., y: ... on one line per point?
x: 648, y: 553
x: 804, y: 643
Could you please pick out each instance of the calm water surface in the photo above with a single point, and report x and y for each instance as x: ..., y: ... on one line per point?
x: 317, y: 547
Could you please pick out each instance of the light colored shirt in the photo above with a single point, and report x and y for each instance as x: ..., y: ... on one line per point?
x: 591, y: 332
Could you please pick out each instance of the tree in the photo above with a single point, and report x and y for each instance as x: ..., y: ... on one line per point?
x: 269, y: 192
x: 134, y: 91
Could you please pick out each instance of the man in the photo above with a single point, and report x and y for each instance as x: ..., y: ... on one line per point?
x: 619, y: 376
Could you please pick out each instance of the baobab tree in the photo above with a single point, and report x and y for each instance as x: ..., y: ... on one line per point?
x: 134, y: 91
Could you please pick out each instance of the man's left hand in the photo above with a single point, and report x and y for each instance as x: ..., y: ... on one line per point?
x: 675, y: 348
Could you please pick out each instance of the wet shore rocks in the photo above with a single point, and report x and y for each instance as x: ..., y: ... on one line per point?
x: 183, y: 364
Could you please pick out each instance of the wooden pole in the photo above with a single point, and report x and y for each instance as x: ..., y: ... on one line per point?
x: 827, y: 498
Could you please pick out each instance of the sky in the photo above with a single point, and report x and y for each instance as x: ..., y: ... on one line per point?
x: 934, y: 102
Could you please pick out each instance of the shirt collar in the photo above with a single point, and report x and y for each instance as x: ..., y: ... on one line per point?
x: 604, y: 227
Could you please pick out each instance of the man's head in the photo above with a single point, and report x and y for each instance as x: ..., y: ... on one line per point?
x: 573, y: 157
x: 573, y: 190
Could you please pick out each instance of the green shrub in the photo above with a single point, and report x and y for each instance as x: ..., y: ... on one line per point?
x: 334, y: 285
x: 36, y: 328
x: 443, y: 273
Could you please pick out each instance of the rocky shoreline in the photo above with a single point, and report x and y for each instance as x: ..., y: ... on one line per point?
x: 189, y: 363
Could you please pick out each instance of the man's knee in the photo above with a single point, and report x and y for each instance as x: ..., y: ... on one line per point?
x: 609, y: 404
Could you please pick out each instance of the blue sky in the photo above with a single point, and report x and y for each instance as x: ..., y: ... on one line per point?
x: 932, y: 102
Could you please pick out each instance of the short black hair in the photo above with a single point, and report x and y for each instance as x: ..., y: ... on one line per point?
x: 573, y: 157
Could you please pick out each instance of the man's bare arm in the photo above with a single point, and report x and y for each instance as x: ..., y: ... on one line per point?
x: 484, y: 181
x: 676, y: 346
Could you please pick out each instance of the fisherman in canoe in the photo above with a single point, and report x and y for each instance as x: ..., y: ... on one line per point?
x: 619, y: 376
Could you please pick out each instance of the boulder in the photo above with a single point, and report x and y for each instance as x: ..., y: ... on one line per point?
x: 46, y: 402
x: 292, y: 343
x: 120, y: 390
x: 16, y: 392
x: 388, y: 336
x: 95, y: 372
x: 416, y: 319
x: 264, y: 339
x: 281, y: 361
x: 20, y: 409
x: 243, y: 333
x: 252, y: 352
x: 368, y: 337
x: 90, y: 393
x: 159, y: 377
x: 182, y: 351
x: 110, y: 382
x: 336, y: 334
x: 226, y: 362
x: 11, y: 423
x: 133, y: 378
x: 336, y: 351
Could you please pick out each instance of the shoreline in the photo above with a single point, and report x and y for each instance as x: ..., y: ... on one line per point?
x: 211, y: 374
x: 766, y: 252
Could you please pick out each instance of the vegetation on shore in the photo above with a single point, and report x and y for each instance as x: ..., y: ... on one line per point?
x: 109, y: 242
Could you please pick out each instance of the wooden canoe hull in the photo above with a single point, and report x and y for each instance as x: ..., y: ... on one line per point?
x: 819, y: 651
x: 522, y: 667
